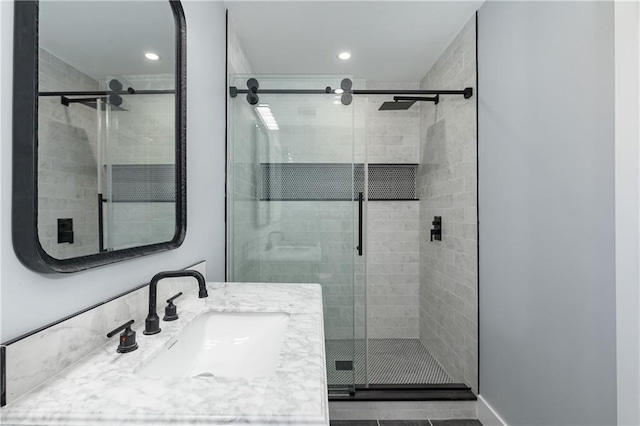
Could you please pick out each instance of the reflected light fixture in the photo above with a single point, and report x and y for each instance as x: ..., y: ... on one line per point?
x: 344, y: 56
x: 151, y: 56
x: 266, y: 116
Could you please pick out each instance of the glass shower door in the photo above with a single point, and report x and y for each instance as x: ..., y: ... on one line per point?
x: 137, y: 157
x: 292, y: 205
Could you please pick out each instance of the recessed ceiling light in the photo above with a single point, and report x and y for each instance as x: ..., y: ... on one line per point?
x: 344, y: 56
x: 338, y: 91
x: 151, y: 56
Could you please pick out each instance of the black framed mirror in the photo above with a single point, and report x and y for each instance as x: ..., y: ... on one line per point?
x: 99, y: 132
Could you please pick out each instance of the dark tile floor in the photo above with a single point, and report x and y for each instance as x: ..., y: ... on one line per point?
x: 457, y: 422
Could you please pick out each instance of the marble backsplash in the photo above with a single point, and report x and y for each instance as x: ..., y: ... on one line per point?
x: 31, y: 360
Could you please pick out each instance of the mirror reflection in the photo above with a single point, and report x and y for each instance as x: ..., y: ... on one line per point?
x: 106, y: 126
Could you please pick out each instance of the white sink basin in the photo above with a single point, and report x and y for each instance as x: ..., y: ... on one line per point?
x: 226, y: 344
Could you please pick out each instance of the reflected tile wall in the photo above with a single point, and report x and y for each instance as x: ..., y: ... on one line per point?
x: 144, y: 134
x: 67, y: 161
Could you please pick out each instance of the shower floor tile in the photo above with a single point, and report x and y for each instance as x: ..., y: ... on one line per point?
x: 391, y: 362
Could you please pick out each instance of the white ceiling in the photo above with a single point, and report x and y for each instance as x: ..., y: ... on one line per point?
x: 389, y: 40
x: 106, y: 38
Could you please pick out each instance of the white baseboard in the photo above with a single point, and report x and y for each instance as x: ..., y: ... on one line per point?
x: 487, y: 415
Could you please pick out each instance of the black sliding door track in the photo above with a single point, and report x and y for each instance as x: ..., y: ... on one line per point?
x: 441, y: 392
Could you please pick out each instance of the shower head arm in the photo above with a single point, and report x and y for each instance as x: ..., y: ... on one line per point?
x: 435, y: 99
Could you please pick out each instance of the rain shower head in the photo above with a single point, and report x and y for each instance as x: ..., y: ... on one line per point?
x: 402, y: 103
x: 396, y: 105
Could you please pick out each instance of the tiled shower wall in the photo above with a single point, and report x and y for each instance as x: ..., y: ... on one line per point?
x: 393, y: 269
x: 448, y: 188
x: 392, y: 226
x: 144, y: 134
x: 67, y: 161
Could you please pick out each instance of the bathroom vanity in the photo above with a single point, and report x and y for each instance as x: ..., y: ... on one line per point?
x: 260, y: 348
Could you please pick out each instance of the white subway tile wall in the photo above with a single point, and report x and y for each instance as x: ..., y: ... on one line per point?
x: 447, y: 187
x: 392, y: 235
x: 392, y: 136
x: 67, y: 161
x: 393, y: 265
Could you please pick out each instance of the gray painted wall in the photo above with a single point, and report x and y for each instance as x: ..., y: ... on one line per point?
x: 30, y: 300
x: 627, y: 58
x: 546, y: 193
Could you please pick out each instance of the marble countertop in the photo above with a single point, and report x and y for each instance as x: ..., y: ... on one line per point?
x: 102, y: 389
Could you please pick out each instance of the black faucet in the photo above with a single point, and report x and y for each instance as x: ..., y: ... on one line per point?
x: 152, y: 323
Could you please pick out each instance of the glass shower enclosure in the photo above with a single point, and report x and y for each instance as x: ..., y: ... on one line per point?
x: 322, y: 187
x: 293, y: 204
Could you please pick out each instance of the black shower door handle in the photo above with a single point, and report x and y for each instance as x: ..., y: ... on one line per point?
x: 360, y: 200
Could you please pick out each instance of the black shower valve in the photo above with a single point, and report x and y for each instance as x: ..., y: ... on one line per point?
x: 436, y: 232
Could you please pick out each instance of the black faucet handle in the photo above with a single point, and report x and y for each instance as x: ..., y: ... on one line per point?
x: 127, y: 338
x: 172, y: 298
x: 171, y: 311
